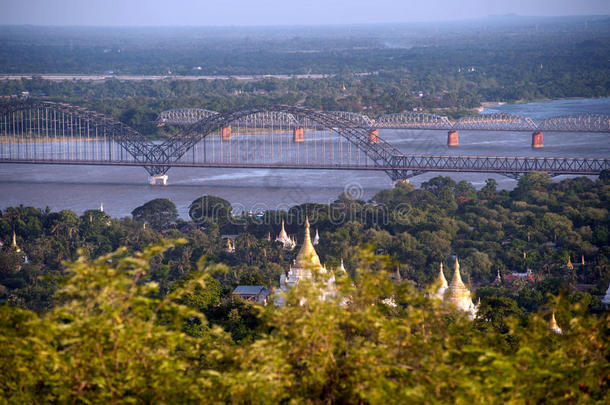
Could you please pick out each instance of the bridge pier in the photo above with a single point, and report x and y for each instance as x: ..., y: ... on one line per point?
x: 374, y: 136
x: 225, y: 133
x: 537, y: 142
x: 297, y: 135
x: 452, y: 139
x: 153, y: 179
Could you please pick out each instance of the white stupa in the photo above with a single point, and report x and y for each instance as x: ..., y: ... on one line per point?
x: 286, y: 241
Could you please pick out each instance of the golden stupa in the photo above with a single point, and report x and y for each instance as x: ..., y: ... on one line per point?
x: 307, y: 258
x: 458, y: 294
x: 306, y: 264
x: 440, y: 293
x: 14, y: 244
x: 570, y: 265
x: 553, y: 324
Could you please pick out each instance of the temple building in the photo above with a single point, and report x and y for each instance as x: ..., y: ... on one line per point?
x: 458, y: 294
x: 285, y: 240
x: 305, y: 265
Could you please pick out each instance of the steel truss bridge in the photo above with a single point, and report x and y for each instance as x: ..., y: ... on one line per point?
x: 289, y: 137
x: 413, y: 120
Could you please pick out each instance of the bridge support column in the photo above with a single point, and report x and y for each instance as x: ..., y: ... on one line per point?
x: 452, y: 139
x: 537, y: 142
x: 374, y: 136
x: 225, y: 133
x: 297, y: 135
x: 153, y: 179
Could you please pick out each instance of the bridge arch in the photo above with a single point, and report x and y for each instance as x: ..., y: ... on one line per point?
x: 26, y: 128
x: 346, y: 126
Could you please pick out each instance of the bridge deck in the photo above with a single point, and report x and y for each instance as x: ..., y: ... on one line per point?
x: 415, y: 163
x: 270, y: 138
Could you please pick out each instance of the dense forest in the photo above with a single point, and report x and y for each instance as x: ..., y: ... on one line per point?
x: 539, y: 225
x: 141, y: 309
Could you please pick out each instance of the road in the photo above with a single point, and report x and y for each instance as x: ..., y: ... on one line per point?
x: 66, y: 77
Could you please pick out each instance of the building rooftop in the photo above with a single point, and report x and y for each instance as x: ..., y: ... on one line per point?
x: 249, y: 289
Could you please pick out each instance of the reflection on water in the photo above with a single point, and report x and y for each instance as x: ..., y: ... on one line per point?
x: 121, y: 189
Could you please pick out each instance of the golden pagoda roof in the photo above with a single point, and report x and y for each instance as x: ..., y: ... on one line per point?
x: 441, y: 278
x: 307, y: 257
x: 570, y: 265
x: 15, y: 242
x: 457, y: 282
x: 553, y: 324
x: 459, y: 294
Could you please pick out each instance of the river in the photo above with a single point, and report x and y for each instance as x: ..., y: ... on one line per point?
x: 121, y: 189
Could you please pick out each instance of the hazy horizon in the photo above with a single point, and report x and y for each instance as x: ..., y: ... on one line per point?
x: 192, y: 13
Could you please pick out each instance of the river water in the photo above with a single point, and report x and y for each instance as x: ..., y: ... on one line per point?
x: 121, y: 189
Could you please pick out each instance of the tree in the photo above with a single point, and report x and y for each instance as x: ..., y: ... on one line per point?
x: 489, y: 189
x: 211, y: 208
x: 160, y: 213
x: 113, y: 338
x: 531, y: 182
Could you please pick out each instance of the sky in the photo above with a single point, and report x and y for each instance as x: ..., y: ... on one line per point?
x: 277, y: 12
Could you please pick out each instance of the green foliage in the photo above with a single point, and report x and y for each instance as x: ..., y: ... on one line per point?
x: 113, y: 338
x: 160, y: 213
x: 209, y: 208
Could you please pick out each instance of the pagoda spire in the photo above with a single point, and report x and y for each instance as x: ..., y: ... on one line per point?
x: 442, y: 279
x: 397, y: 276
x: 442, y: 288
x: 284, y: 239
x: 14, y: 244
x: 569, y: 264
x: 498, y: 279
x: 459, y: 295
x: 457, y: 278
x: 553, y: 324
x: 307, y: 256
